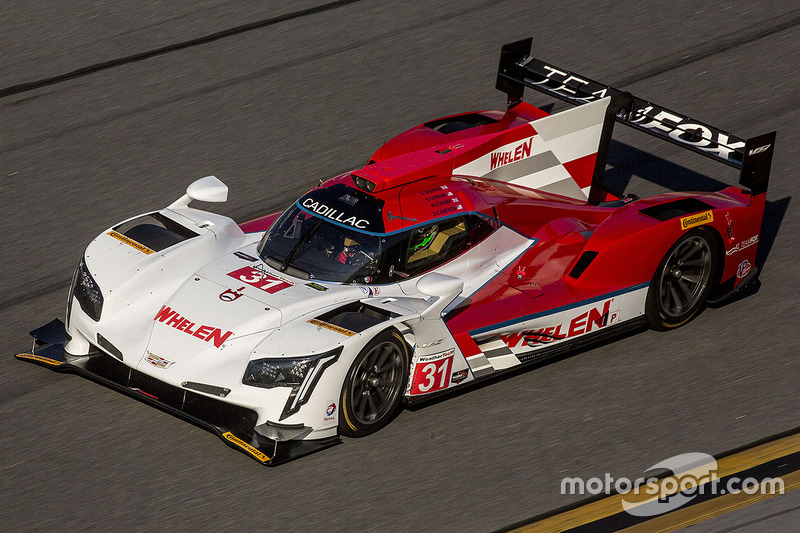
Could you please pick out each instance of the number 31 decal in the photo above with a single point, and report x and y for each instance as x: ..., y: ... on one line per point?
x: 260, y: 279
x: 432, y: 373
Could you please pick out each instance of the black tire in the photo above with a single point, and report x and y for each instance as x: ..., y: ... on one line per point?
x: 682, y: 280
x: 374, y: 386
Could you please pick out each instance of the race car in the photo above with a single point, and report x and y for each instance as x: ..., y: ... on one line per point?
x: 466, y: 247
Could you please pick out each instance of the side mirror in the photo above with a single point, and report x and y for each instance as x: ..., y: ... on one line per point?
x: 444, y: 288
x: 208, y: 189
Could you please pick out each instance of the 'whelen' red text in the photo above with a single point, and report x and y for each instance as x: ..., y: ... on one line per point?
x: 206, y: 333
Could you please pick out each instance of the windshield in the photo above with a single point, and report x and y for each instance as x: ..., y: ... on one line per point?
x: 309, y: 247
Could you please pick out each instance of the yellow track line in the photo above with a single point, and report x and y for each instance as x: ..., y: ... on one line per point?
x: 706, y: 510
x: 612, y: 505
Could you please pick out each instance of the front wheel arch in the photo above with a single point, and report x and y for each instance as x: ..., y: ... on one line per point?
x: 373, y: 388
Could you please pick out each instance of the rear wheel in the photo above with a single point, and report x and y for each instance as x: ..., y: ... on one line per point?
x: 374, y: 385
x: 682, y: 280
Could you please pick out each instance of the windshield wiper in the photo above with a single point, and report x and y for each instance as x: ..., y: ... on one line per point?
x: 303, y: 240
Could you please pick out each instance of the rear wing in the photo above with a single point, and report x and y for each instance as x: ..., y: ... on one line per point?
x: 753, y: 157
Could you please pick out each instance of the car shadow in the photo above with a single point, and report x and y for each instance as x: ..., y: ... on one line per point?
x: 625, y: 162
x: 521, y: 369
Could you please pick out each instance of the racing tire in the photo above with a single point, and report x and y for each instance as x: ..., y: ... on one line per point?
x: 374, y: 385
x: 682, y: 280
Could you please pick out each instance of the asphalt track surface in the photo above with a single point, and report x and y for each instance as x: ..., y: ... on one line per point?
x: 304, y: 92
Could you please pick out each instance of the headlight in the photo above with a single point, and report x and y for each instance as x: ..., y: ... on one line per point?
x: 299, y: 373
x: 87, y: 292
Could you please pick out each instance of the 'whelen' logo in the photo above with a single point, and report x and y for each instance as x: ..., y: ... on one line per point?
x: 595, y: 318
x: 510, y: 156
x: 205, y: 333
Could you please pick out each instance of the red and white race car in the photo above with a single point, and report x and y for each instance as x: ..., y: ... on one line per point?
x: 466, y: 247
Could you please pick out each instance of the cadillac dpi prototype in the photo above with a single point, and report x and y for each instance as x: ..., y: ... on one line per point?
x: 466, y: 247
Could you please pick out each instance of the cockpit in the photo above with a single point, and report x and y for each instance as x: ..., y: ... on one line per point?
x: 327, y: 238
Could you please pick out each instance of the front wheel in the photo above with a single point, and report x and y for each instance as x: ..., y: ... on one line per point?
x: 374, y: 385
x: 682, y: 280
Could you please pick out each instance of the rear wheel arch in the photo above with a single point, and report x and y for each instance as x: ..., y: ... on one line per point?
x: 683, y: 278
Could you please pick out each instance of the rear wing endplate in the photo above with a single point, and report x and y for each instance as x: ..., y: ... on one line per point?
x: 753, y: 157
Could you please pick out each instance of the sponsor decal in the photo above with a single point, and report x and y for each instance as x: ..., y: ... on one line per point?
x: 329, y: 413
x: 449, y: 149
x: 436, y: 356
x: 739, y: 246
x: 158, y: 361
x: 257, y: 277
x: 459, y: 376
x: 431, y: 372
x: 593, y: 319
x: 140, y: 391
x: 760, y: 149
x: 230, y: 295
x: 332, y: 327
x: 255, y: 452
x: 211, y: 334
x: 130, y: 242
x: 371, y: 291
x: 500, y: 158
x: 432, y: 343
x: 39, y: 358
x: 564, y: 84
x: 677, y: 127
x: 683, y: 130
x: 246, y: 257
x: 744, y: 269
x: 697, y: 219
x: 334, y: 214
x: 317, y: 286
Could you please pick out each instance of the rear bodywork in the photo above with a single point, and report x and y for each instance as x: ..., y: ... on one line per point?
x: 521, y: 253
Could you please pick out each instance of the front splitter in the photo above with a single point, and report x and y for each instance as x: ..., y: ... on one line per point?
x: 233, y: 424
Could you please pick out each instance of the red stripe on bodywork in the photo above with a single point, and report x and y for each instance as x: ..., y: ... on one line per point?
x: 259, y: 224
x: 467, y: 344
x: 581, y: 169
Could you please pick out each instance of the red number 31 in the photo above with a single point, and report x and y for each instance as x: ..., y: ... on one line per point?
x: 433, y: 376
